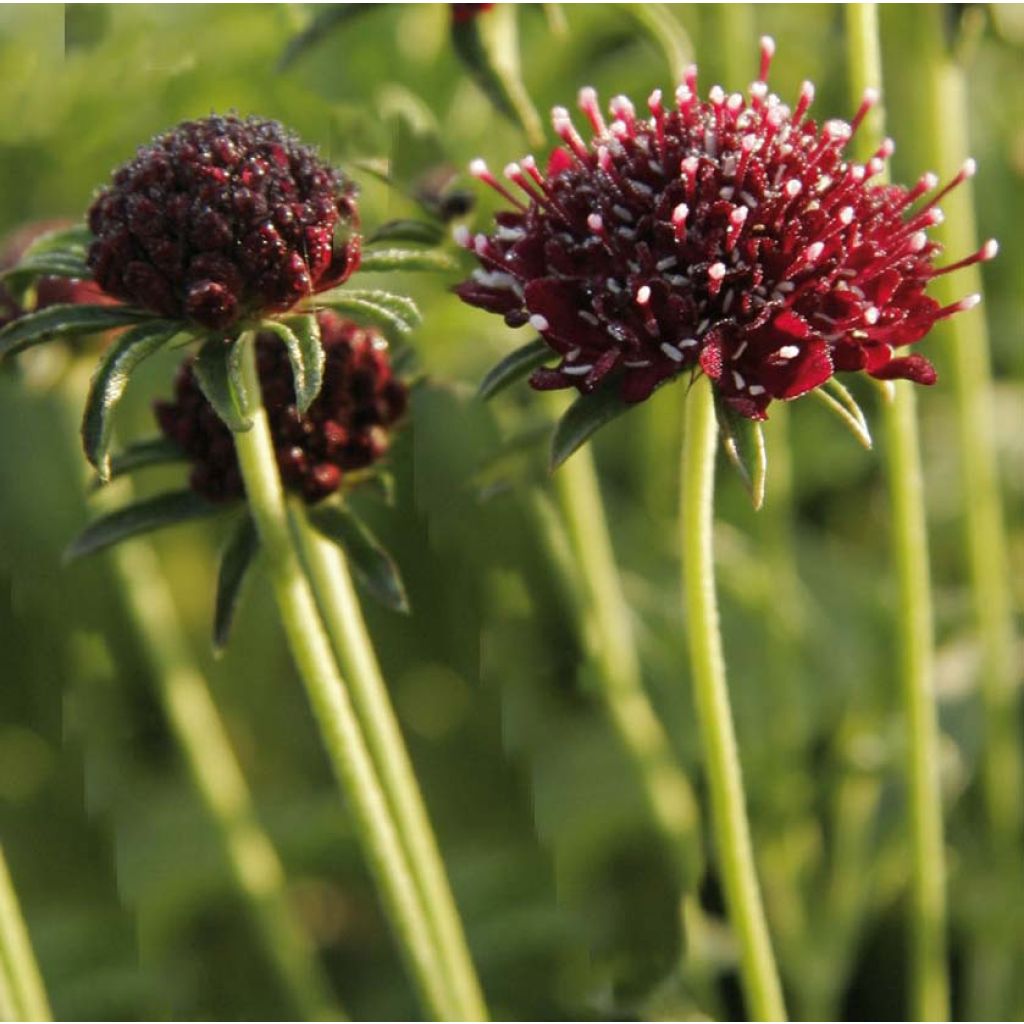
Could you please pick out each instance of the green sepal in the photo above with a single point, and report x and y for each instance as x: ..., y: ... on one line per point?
x: 743, y: 440
x: 385, y: 260
x: 109, y: 383
x: 156, y: 451
x: 406, y: 231
x: 217, y: 370
x: 514, y: 367
x: 839, y: 400
x: 238, y: 555
x: 301, y: 336
x: 138, y: 518
x: 583, y: 418
x: 385, y: 309
x: 373, y: 567
x: 67, y: 319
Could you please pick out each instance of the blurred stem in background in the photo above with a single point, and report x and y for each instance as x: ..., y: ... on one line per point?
x: 722, y: 765
x: 332, y: 708
x: 339, y: 605
x: 203, y: 740
x: 22, y: 995
x: 928, y: 969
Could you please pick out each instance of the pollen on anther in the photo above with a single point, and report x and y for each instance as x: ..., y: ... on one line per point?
x: 643, y: 295
x: 539, y: 323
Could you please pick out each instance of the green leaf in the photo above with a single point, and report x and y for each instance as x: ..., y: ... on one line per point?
x: 138, y: 518
x: 743, y: 440
x: 488, y: 46
x: 66, y: 319
x: 836, y: 397
x: 373, y: 482
x: 372, y: 565
x: 217, y: 369
x: 661, y: 27
x: 301, y: 335
x: 109, y: 383
x: 74, y: 239
x: 384, y: 260
x: 156, y: 451
x: 513, y: 367
x: 324, y: 22
x: 238, y: 555
x: 407, y: 231
x: 57, y: 263
x: 385, y: 309
x: 583, y: 418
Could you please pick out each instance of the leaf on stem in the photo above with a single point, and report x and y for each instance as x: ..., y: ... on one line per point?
x: 583, y: 418
x: 385, y: 309
x: 743, y: 440
x: 67, y: 319
x: 406, y: 231
x: 54, y: 263
x: 109, y: 383
x: 217, y: 371
x: 74, y: 239
x: 386, y: 260
x: 156, y: 451
x: 138, y: 518
x: 374, y: 568
x: 513, y: 367
x: 238, y: 555
x: 301, y: 336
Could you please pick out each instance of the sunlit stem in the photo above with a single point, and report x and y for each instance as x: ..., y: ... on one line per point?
x: 21, y: 985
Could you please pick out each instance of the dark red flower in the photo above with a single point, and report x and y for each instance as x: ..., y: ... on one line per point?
x: 346, y: 429
x: 467, y: 12
x: 729, y: 236
x: 221, y: 219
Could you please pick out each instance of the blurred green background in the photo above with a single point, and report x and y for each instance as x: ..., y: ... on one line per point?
x: 569, y: 896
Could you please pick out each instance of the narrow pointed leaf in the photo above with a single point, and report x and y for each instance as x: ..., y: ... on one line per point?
x: 844, y: 405
x: 139, y: 518
x: 513, y: 367
x: 743, y: 440
x: 238, y: 555
x: 75, y: 239
x: 109, y: 383
x: 385, y: 309
x: 59, y: 263
x: 372, y: 565
x: 407, y: 231
x: 67, y: 319
x: 157, y: 451
x: 657, y: 22
x: 301, y: 336
x: 583, y: 418
x: 215, y: 371
x: 324, y: 22
x: 375, y: 483
x: 383, y: 260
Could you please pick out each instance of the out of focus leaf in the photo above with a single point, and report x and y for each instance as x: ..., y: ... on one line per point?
x: 138, y: 518
x: 216, y: 370
x: 583, y: 418
x: 406, y: 231
x: 156, y: 451
x: 238, y: 555
x: 66, y: 319
x: 326, y: 19
x: 513, y: 367
x: 658, y: 23
x: 839, y: 400
x: 743, y: 440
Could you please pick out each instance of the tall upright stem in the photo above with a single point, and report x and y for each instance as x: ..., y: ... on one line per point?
x: 21, y: 984
x: 339, y: 605
x: 202, y: 738
x: 721, y: 756
x: 929, y: 983
x: 332, y: 707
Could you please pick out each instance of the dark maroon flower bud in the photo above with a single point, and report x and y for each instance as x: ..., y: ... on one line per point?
x: 467, y: 12
x: 221, y: 219
x: 346, y: 429
x: 730, y: 236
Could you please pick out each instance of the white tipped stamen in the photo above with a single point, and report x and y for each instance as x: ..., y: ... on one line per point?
x: 789, y: 351
x: 478, y: 168
x: 688, y: 343
x: 756, y: 389
x: 814, y: 251
x: 666, y: 264
x: 672, y: 352
x: 990, y: 250
x: 596, y: 223
x: 578, y: 371
x: 512, y: 171
x: 573, y: 354
x: 871, y: 315
x: 717, y: 95
x: 969, y: 168
x: 931, y: 180
x: 589, y: 105
x: 970, y: 302
x: 462, y: 236
x: 918, y: 240
x: 738, y: 380
x: 794, y: 187
x: 643, y: 295
x: 846, y: 215
x: 539, y: 323
x: 480, y: 244
x: 716, y: 271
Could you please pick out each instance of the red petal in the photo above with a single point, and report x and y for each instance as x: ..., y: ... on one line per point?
x: 711, y: 355
x: 560, y: 160
x: 494, y: 300
x: 792, y: 324
x: 915, y: 368
x: 559, y: 302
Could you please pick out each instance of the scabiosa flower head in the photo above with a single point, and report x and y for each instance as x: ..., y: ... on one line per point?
x: 221, y: 219
x: 347, y: 428
x: 730, y: 236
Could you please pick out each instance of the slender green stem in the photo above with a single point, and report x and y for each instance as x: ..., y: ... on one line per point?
x: 607, y: 622
x: 331, y: 705
x: 203, y: 740
x: 25, y: 993
x: 339, y: 605
x: 721, y: 757
x: 929, y: 982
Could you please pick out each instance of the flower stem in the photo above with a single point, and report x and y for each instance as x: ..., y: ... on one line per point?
x: 339, y: 605
x: 607, y: 622
x: 21, y: 985
x: 203, y: 740
x: 721, y: 757
x: 929, y: 982
x: 331, y: 706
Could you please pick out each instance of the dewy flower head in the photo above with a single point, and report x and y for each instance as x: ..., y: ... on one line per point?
x: 730, y: 236
x: 345, y: 430
x: 221, y: 219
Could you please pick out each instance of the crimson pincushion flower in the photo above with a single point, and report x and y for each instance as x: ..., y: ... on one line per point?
x: 222, y: 219
x: 345, y: 430
x: 730, y: 236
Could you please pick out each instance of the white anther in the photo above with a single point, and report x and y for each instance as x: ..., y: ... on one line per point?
x: 539, y: 323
